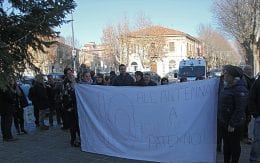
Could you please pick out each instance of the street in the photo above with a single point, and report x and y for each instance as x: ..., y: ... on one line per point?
x: 53, y: 146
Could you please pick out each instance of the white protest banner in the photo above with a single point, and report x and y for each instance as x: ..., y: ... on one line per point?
x: 169, y: 123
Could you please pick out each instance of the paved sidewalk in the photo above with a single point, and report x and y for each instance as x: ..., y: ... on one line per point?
x: 53, y: 146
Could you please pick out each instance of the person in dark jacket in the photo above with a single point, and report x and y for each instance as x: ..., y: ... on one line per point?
x: 112, y: 76
x: 233, y: 102
x: 148, y: 81
x: 249, y: 79
x: 20, y: 102
x: 6, y: 112
x: 219, y: 135
x: 31, y: 97
x: 124, y: 79
x: 99, y: 79
x: 50, y: 87
x: 164, y: 81
x: 69, y: 104
x: 41, y: 100
x: 254, y: 105
x: 139, y: 78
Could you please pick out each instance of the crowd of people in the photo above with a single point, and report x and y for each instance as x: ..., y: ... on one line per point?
x: 239, y: 97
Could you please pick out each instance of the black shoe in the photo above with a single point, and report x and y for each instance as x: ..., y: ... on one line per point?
x: 44, y: 127
x: 75, y: 144
x: 64, y: 128
x: 25, y: 132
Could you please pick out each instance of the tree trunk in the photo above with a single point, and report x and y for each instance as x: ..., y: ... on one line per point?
x: 249, y: 54
x: 256, y: 59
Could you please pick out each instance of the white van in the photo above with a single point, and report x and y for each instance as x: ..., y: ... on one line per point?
x: 192, y: 69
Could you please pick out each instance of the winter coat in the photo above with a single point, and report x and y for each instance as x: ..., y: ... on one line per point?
x: 254, y: 98
x: 232, y: 104
x: 6, y: 102
x: 151, y: 83
x: 123, y: 80
x: 39, y: 97
x: 68, y: 95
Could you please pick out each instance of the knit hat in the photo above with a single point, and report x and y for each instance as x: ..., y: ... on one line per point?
x: 233, y: 70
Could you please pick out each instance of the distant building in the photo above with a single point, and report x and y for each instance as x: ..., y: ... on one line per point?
x: 159, y: 49
x: 55, y: 59
x: 92, y: 56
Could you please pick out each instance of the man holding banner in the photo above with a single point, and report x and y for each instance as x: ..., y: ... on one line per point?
x: 124, y: 79
x: 233, y: 103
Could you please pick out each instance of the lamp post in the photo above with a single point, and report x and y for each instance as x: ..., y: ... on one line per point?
x: 74, y: 52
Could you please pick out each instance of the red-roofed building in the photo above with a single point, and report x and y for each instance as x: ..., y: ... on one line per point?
x: 159, y: 49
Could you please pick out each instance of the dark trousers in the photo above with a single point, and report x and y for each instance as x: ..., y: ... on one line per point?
x: 219, y: 138
x: 65, y: 116
x: 245, y: 129
x: 36, y: 115
x: 74, y: 125
x: 19, y: 119
x: 6, y: 126
x: 51, y: 114
x: 231, y: 145
x: 54, y: 110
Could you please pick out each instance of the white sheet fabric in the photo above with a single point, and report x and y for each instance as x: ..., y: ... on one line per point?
x: 169, y: 123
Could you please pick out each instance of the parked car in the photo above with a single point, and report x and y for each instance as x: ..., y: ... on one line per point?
x: 173, y: 75
x: 57, y: 76
x: 214, y: 73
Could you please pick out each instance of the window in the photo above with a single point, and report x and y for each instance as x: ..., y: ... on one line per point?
x: 171, y: 46
x: 134, y: 65
x: 172, y: 65
x: 152, y: 45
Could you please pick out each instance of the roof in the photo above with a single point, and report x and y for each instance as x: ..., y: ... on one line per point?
x: 156, y: 30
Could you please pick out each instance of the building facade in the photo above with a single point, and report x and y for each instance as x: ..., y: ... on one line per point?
x: 92, y: 55
x: 159, y: 49
x: 55, y: 58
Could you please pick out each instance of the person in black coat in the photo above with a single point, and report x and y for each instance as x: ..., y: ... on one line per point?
x: 124, y: 79
x: 20, y: 102
x: 139, y: 78
x: 69, y: 105
x: 232, y: 105
x: 6, y: 112
x: 31, y: 97
x: 148, y: 81
x: 164, y: 81
x: 41, y: 101
x: 254, y: 105
x: 249, y: 79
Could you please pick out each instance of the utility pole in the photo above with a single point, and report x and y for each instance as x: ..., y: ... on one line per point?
x: 74, y: 53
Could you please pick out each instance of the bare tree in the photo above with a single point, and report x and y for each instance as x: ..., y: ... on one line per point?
x: 240, y: 19
x: 117, y: 42
x: 111, y: 43
x: 69, y: 41
x: 122, y: 40
x: 142, y: 21
x: 217, y: 49
x: 150, y: 42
